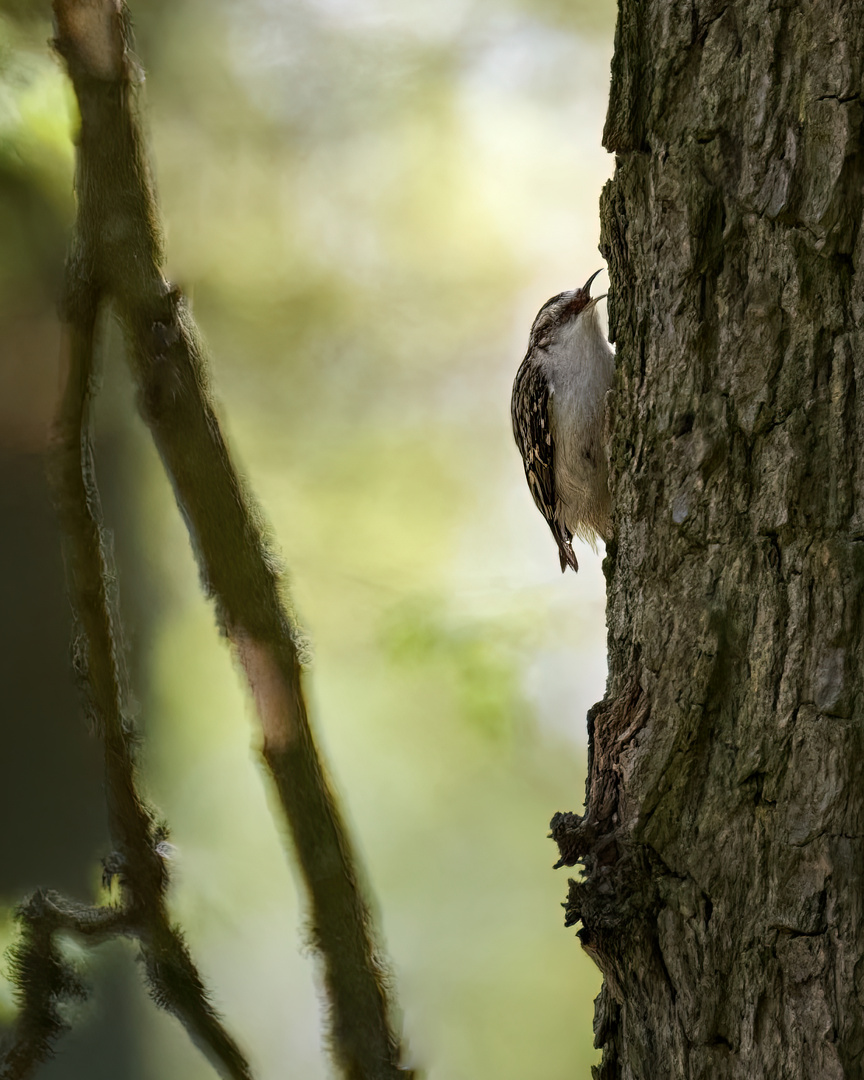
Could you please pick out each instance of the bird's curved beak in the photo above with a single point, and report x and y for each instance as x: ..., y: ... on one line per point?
x: 586, y: 288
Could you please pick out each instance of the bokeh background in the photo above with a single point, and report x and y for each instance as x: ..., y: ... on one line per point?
x: 367, y: 202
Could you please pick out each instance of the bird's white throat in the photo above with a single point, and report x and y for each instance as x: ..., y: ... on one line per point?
x: 579, y: 364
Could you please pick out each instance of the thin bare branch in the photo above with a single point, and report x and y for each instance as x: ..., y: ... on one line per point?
x: 45, y: 980
x: 176, y: 986
x: 97, y: 648
x: 136, y: 835
x: 118, y: 215
x: 43, y: 977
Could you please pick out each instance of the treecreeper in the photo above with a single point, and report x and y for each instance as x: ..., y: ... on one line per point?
x: 558, y: 413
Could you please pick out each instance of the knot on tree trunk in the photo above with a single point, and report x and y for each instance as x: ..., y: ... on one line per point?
x: 595, y: 838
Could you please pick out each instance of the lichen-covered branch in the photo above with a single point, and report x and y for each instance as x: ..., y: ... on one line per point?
x: 119, y: 248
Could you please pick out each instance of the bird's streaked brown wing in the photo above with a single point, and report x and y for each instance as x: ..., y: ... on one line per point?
x: 529, y: 409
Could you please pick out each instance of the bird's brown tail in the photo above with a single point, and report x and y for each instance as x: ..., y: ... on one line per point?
x: 565, y: 554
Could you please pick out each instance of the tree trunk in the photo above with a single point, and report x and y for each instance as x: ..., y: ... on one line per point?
x: 724, y: 880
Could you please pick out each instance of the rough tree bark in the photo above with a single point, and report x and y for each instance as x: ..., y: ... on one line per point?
x: 724, y: 865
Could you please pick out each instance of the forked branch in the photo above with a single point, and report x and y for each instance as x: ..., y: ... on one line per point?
x: 118, y: 255
x: 44, y: 978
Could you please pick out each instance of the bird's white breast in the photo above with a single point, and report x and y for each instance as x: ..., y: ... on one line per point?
x: 580, y: 367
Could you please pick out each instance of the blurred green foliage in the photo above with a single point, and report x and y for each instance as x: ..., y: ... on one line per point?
x: 36, y: 157
x: 366, y: 201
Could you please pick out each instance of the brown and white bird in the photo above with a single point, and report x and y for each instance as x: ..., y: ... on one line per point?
x: 558, y: 418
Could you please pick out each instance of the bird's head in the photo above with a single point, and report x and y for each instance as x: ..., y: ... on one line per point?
x: 562, y: 310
